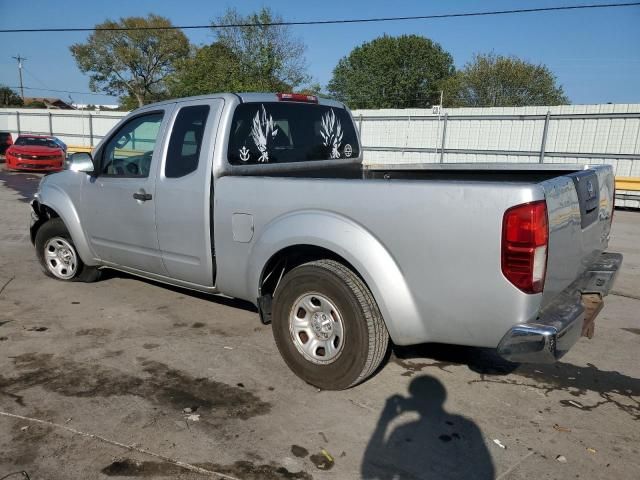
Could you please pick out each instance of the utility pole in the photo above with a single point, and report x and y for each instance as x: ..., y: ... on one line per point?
x: 20, y: 60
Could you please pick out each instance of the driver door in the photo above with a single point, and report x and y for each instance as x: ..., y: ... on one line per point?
x: 118, y: 206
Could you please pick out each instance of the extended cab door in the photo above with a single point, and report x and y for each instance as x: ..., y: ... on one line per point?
x: 184, y: 190
x: 118, y: 205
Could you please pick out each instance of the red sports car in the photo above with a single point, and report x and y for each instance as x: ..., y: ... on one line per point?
x: 36, y: 153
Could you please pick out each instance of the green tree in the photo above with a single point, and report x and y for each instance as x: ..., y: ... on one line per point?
x: 131, y: 102
x: 131, y: 63
x: 491, y: 80
x: 211, y: 68
x: 35, y: 104
x: 9, y: 98
x: 314, y: 89
x: 270, y: 58
x: 392, y: 72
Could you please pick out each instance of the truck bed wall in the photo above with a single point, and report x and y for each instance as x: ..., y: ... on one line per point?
x: 429, y: 251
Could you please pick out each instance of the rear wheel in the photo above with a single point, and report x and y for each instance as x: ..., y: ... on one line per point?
x: 58, y: 255
x: 327, y: 325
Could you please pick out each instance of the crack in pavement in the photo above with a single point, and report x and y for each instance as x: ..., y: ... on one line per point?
x: 6, y: 283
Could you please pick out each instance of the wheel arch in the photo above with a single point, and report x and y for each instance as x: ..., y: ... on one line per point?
x: 41, y: 214
x: 291, y: 257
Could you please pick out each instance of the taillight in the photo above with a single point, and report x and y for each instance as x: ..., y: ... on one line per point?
x: 297, y: 97
x: 525, y: 236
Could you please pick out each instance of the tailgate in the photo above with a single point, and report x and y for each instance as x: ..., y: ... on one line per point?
x: 580, y: 207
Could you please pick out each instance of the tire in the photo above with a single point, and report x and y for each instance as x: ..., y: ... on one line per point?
x: 63, y: 261
x: 327, y: 325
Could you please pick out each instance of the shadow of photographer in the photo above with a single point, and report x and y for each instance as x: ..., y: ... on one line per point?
x: 432, y: 444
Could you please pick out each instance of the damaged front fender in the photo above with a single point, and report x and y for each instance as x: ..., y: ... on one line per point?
x: 51, y: 202
x: 39, y: 216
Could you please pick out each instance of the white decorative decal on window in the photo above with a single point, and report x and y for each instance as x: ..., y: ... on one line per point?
x: 348, y: 151
x: 245, y: 154
x: 262, y: 132
x: 331, y: 132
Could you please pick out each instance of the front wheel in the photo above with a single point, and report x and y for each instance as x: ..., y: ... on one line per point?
x: 327, y: 325
x: 58, y: 255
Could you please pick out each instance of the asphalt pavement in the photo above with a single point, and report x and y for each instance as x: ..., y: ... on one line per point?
x: 128, y: 378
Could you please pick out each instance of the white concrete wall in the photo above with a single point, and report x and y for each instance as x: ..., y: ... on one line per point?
x: 72, y: 126
x: 420, y: 128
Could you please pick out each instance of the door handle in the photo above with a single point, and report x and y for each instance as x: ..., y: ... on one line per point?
x: 142, y: 196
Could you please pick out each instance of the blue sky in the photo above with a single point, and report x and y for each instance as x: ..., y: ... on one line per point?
x: 594, y: 53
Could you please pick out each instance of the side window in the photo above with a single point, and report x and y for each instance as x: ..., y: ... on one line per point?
x: 128, y: 153
x: 185, y: 141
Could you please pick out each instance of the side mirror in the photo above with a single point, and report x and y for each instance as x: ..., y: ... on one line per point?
x: 80, y: 162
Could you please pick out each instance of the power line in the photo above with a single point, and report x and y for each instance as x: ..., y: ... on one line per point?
x: 32, y: 75
x: 64, y: 91
x: 330, y: 22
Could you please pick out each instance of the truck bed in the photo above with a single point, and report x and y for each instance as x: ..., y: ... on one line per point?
x: 501, y: 172
x: 490, y: 166
x: 438, y: 228
x: 484, y: 172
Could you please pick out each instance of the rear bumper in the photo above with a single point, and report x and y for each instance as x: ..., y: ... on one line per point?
x: 561, y: 324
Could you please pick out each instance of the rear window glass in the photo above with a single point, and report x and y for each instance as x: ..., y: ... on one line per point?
x: 36, y: 142
x: 282, y: 132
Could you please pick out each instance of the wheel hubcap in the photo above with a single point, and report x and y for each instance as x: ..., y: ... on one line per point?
x: 61, y: 258
x: 316, y: 328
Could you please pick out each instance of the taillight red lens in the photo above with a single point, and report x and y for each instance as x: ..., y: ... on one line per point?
x: 525, y: 236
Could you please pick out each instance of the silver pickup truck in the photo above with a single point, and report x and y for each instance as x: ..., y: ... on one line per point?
x: 264, y: 197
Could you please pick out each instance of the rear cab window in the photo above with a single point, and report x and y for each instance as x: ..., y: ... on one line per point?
x: 286, y: 132
x: 186, y: 140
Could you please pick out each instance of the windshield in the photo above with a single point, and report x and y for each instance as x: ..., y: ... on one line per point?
x: 36, y: 142
x: 279, y: 132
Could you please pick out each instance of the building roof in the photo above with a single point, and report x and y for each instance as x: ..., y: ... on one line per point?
x: 49, y: 102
